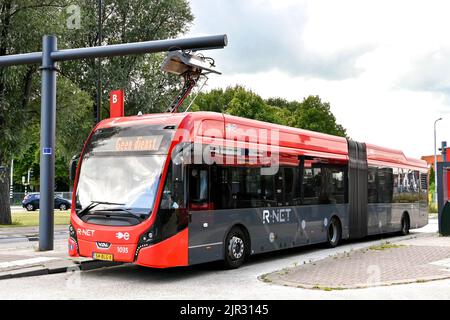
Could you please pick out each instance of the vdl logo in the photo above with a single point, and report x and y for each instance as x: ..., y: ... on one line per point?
x: 276, y: 215
x: 103, y: 245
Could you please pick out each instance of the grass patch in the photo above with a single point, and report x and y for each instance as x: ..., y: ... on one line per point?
x: 264, y: 278
x: 385, y: 246
x: 318, y: 287
x: 432, y: 208
x: 31, y: 219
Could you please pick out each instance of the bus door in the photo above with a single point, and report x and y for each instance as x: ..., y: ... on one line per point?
x: 199, y: 189
x: 205, y: 242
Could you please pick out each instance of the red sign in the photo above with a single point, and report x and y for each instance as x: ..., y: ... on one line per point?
x: 116, y: 104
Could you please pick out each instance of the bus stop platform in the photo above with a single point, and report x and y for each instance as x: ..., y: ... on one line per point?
x: 424, y: 257
x: 19, y: 256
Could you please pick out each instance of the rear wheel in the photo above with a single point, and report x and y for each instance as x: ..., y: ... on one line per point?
x: 30, y: 207
x: 334, y: 233
x: 405, y: 225
x: 236, y: 248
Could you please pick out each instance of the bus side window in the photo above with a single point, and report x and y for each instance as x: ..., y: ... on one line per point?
x: 173, y: 195
x: 198, y: 189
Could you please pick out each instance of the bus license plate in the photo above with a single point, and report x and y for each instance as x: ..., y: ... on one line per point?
x: 103, y: 256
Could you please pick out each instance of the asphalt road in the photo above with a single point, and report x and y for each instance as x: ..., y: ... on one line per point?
x: 210, y: 282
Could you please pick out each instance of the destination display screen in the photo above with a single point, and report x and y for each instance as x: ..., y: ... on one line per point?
x: 142, y: 143
x: 141, y: 139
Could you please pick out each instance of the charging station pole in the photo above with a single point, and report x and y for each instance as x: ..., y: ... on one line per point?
x: 48, y: 58
x: 47, y: 157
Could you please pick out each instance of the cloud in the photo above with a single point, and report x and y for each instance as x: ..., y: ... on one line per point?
x: 430, y: 72
x: 383, y: 65
x: 267, y: 34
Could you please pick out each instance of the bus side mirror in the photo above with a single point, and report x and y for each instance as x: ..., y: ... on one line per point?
x: 73, y: 167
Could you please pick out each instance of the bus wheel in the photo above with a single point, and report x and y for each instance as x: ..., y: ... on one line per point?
x: 334, y: 233
x: 405, y: 225
x: 235, y: 248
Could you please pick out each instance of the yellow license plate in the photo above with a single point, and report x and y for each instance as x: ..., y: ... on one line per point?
x: 103, y: 256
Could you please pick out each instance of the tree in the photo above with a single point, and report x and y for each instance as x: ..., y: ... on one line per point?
x: 73, y: 124
x: 147, y: 88
x: 431, y: 182
x: 22, y: 24
x: 315, y: 115
x: 310, y: 114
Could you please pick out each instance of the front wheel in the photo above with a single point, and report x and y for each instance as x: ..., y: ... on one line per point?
x: 30, y: 207
x: 334, y: 233
x: 63, y: 207
x: 235, y: 248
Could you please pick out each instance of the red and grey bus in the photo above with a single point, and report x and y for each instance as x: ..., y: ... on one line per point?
x: 177, y: 189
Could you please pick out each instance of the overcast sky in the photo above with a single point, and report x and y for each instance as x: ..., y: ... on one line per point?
x: 384, y: 66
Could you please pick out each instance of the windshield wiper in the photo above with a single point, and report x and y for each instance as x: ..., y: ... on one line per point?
x: 94, y: 203
x: 128, y: 212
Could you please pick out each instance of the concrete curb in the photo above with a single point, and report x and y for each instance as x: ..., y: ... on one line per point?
x: 54, y: 267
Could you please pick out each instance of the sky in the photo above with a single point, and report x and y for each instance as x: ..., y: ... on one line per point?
x: 384, y: 66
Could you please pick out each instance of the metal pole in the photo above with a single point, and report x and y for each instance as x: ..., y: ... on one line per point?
x: 114, y: 50
x: 435, y: 163
x: 48, y: 124
x: 99, y: 61
x: 198, y: 43
x: 11, y: 180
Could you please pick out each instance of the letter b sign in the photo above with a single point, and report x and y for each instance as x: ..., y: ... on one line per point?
x: 116, y: 104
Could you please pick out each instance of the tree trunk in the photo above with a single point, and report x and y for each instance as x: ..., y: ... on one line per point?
x: 5, y: 206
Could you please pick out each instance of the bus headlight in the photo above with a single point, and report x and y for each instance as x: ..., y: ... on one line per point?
x: 73, y: 242
x: 146, y: 239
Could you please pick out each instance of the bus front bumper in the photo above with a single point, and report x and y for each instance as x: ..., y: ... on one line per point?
x: 171, y: 252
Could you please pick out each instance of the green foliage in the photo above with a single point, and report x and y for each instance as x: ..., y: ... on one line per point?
x: 147, y: 89
x: 432, y: 207
x: 22, y: 25
x: 431, y: 179
x: 315, y: 115
x: 311, y: 113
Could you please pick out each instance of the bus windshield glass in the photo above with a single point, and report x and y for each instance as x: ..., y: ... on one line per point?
x: 121, y: 169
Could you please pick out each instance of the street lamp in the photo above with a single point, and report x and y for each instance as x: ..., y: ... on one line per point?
x: 435, y: 159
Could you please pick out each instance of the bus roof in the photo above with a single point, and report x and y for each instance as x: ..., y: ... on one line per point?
x: 224, y: 126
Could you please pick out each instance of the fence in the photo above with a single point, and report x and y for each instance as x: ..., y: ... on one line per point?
x: 18, y: 197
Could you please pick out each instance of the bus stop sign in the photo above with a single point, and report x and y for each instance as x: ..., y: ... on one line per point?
x: 116, y: 104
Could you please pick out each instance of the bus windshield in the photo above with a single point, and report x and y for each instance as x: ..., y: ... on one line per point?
x: 121, y: 169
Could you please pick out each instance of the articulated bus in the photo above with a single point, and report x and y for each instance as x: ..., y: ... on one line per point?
x: 177, y: 189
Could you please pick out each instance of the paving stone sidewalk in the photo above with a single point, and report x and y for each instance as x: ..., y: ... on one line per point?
x: 417, y: 260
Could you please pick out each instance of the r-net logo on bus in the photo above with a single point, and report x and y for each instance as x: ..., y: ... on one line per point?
x: 270, y: 216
